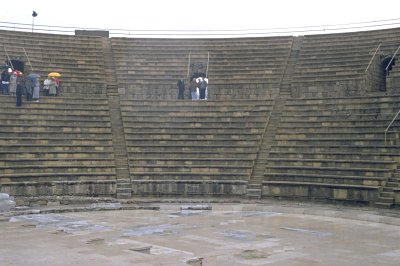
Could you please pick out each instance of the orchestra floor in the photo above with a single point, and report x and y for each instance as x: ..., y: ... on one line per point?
x: 270, y: 233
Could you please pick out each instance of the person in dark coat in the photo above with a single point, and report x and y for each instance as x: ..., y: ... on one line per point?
x: 203, y: 87
x: 5, y: 81
x: 181, y: 88
x: 19, y: 92
x: 29, y: 88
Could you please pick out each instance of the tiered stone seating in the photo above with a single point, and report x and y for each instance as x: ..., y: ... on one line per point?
x: 324, y: 148
x: 79, y: 59
x: 60, y: 146
x: 335, y: 64
x: 246, y: 68
x: 333, y: 149
x: 194, y: 148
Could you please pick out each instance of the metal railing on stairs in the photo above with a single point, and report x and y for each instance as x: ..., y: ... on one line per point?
x: 370, y: 62
x: 393, y: 57
x: 390, y: 124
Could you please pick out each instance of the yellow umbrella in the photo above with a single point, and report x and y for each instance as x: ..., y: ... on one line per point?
x: 54, y: 74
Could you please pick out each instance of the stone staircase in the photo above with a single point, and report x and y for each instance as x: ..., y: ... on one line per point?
x: 124, y: 186
x: 386, y: 198
x: 254, y: 190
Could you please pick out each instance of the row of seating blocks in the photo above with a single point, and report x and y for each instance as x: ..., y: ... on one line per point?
x: 60, y: 145
x: 78, y: 59
x: 193, y: 140
x: 335, y: 144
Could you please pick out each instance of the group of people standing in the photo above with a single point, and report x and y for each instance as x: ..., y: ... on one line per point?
x: 14, y: 83
x: 198, y: 89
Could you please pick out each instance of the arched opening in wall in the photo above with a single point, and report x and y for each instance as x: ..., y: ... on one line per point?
x: 387, y: 63
x: 17, y: 65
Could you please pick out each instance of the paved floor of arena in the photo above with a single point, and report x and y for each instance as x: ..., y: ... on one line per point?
x: 192, y: 234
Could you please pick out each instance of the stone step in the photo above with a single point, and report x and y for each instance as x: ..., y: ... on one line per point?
x: 387, y: 194
x: 124, y: 189
x: 350, y: 171
x: 282, y: 161
x: 124, y: 195
x: 391, y: 184
x: 254, y: 186
x: 383, y: 205
x: 324, y: 178
x: 382, y: 199
x: 253, y: 194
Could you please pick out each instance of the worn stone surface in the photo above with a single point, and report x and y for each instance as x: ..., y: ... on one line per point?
x: 229, y: 234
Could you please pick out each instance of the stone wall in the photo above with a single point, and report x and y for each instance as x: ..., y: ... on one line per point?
x: 60, y: 188
x: 320, y: 192
x: 165, y: 188
x: 375, y: 76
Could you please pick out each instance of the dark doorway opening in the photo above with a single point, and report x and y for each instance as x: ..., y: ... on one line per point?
x: 17, y: 65
x: 198, y: 75
x: 387, y: 63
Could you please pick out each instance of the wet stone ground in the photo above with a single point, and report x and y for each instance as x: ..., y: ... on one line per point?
x: 222, y: 234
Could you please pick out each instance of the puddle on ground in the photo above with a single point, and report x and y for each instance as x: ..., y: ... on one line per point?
x: 159, y: 229
x: 185, y: 213
x: 106, y: 205
x: 244, y: 235
x: 307, y: 232
x: 142, y: 230
x: 60, y: 223
x: 238, y: 235
x: 255, y: 213
x: 250, y: 254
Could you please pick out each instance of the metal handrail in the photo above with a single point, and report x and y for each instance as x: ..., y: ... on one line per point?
x: 8, y: 57
x: 392, y: 58
x: 373, y: 57
x: 27, y: 57
x: 390, y: 124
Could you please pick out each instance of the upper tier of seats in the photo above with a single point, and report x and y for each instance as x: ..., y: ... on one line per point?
x: 79, y: 59
x: 335, y: 64
x: 246, y: 68
x: 239, y: 68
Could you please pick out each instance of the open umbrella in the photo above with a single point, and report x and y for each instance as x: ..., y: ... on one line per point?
x: 33, y: 75
x: 54, y: 74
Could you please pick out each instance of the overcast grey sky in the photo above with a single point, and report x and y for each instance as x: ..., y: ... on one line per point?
x: 237, y: 15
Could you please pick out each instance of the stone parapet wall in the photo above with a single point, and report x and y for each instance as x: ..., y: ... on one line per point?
x: 94, y: 188
x: 322, y: 192
x: 189, y: 188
